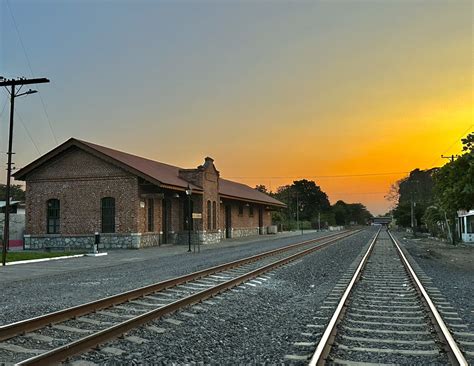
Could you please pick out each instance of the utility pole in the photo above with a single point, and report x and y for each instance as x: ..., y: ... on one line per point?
x: 14, y: 92
x: 412, y: 208
x: 453, y: 238
x: 452, y: 157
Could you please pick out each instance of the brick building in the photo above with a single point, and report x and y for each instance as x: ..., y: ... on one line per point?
x: 80, y: 188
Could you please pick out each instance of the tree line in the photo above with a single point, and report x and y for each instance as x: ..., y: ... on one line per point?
x: 308, y: 206
x: 428, y: 200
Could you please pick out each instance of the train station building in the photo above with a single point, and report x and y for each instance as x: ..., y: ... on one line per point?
x: 79, y: 189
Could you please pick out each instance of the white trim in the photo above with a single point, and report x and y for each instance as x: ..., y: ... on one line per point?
x: 44, y: 259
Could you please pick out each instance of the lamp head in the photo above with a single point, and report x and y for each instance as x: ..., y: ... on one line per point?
x: 189, y: 191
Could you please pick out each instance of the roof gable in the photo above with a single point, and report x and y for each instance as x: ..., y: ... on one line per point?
x: 161, y: 174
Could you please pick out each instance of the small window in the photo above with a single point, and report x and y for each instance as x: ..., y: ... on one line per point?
x: 209, y: 216
x: 151, y: 215
x: 241, y: 210
x: 251, y: 211
x: 108, y: 214
x: 214, y: 215
x: 470, y: 224
x: 53, y: 211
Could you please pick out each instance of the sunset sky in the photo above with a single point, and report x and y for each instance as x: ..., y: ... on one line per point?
x: 351, y: 94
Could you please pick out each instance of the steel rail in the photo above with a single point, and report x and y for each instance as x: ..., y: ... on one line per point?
x: 61, y: 353
x: 28, y: 325
x: 453, y: 350
x: 323, y: 348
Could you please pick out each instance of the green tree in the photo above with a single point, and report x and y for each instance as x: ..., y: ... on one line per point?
x: 16, y: 192
x: 262, y: 188
x: 306, y: 197
x: 454, y: 182
x: 347, y: 213
x: 416, y: 189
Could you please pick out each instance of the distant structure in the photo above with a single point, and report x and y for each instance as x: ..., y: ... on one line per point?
x: 81, y: 188
x: 466, y: 226
x: 386, y: 220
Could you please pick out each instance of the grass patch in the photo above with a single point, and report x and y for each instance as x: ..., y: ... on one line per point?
x: 23, y: 256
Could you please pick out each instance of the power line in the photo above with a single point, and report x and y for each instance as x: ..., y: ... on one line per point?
x: 31, y: 71
x: 3, y: 110
x: 355, y: 193
x: 27, y: 132
x: 23, y: 124
x: 4, y: 107
x: 454, y: 143
x: 321, y: 176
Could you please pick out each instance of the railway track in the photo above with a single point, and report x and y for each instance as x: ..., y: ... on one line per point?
x: 54, y: 337
x: 385, y: 316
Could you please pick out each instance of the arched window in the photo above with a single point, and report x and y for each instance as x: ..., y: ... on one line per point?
x: 108, y: 214
x: 53, y: 215
x: 214, y: 215
x: 209, y: 216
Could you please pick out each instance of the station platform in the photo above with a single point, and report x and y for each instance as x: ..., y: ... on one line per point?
x: 120, y: 257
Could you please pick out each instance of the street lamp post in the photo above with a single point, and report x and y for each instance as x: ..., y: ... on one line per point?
x: 297, y: 212
x: 189, y: 191
x: 13, y: 83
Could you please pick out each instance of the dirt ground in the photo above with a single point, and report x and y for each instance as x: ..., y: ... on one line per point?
x: 459, y: 256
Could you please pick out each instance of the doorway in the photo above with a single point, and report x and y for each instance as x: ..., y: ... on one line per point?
x: 165, y: 220
x: 228, y: 221
x: 260, y: 221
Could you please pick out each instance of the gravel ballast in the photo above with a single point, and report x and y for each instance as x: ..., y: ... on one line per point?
x: 257, y: 323
x: 449, y: 275
x: 38, y: 295
x: 453, y: 279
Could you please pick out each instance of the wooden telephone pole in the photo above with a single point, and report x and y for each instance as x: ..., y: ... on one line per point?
x: 15, y: 87
x: 452, y: 157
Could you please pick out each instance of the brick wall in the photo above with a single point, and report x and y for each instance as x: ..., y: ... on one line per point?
x: 207, y: 177
x: 79, y: 180
x: 210, y: 184
x: 244, y: 224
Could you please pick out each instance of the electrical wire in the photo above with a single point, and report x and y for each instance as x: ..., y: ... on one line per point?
x: 27, y: 131
x: 31, y: 71
x: 454, y: 143
x: 321, y: 176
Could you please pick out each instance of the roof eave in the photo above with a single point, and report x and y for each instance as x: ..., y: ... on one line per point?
x: 22, y: 173
x: 236, y: 198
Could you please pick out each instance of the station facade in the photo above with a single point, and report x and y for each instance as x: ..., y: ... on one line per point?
x: 79, y: 189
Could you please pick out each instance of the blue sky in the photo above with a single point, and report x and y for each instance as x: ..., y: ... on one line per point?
x: 268, y: 88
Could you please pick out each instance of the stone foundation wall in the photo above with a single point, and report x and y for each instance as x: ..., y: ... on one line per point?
x: 247, y: 231
x: 150, y: 240
x: 130, y: 241
x: 201, y: 237
x: 84, y: 242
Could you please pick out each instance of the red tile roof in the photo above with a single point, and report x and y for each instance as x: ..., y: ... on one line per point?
x: 164, y: 174
x: 238, y: 190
